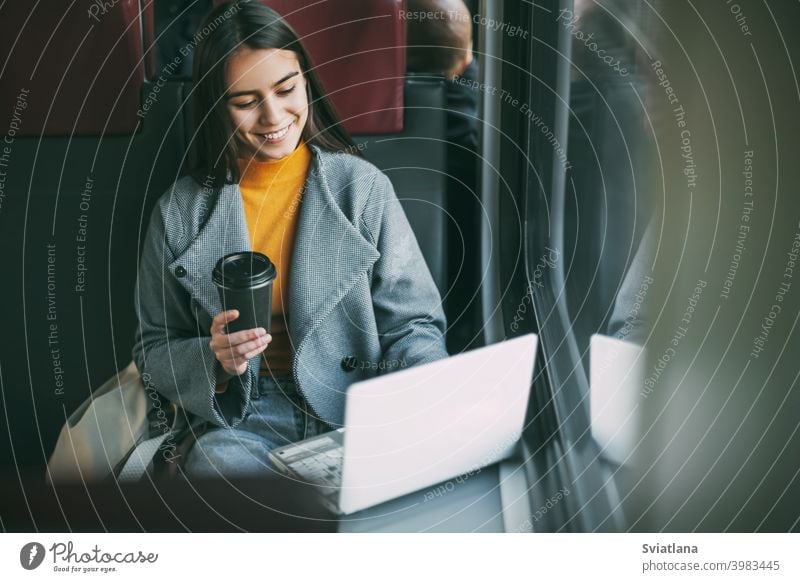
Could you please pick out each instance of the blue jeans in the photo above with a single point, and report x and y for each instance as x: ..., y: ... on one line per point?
x: 278, y: 415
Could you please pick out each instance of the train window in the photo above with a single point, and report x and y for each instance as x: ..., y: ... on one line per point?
x: 608, y: 196
x: 566, y: 144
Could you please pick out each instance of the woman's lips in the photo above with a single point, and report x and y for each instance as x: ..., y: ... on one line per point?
x: 277, y: 136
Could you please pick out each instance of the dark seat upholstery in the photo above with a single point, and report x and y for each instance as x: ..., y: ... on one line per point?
x: 414, y: 160
x: 83, y: 67
x: 71, y: 218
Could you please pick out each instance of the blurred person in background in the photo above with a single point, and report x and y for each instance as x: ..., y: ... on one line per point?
x: 439, y: 37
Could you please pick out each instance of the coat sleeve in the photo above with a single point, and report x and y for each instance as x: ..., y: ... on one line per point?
x: 170, y: 350
x: 407, y: 305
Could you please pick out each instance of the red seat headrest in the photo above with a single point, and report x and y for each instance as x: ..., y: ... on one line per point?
x: 77, y: 66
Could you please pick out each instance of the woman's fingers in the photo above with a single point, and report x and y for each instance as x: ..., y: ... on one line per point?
x: 234, y: 358
x: 256, y: 351
x: 247, y: 335
x: 241, y: 341
x: 221, y: 319
x: 241, y: 363
x: 224, y: 317
x: 234, y: 350
x: 240, y: 350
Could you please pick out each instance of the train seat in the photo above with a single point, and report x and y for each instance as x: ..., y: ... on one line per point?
x: 83, y: 160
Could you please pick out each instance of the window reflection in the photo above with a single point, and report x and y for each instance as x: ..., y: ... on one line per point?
x: 607, y: 255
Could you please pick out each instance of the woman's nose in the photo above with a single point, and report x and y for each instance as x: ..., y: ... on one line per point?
x: 267, y: 114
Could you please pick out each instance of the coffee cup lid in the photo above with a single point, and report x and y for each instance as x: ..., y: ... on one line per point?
x: 243, y: 269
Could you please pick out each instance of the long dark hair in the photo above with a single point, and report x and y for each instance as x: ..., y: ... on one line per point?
x: 226, y: 28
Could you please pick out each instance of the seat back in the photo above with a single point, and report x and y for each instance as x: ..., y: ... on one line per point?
x: 414, y: 160
x: 82, y: 67
x: 81, y: 173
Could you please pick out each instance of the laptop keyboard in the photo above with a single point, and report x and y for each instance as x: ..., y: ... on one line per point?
x: 322, y: 468
x: 317, y: 460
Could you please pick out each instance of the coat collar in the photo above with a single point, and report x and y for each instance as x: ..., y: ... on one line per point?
x: 329, y: 255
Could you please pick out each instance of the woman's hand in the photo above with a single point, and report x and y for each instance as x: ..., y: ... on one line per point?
x: 234, y: 350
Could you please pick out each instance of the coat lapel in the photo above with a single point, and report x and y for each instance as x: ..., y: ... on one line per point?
x: 224, y: 232
x: 329, y: 252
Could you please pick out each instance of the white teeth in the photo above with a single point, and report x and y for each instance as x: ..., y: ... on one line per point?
x: 278, y: 134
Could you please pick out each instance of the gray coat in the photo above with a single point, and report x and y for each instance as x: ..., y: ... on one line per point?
x: 359, y: 288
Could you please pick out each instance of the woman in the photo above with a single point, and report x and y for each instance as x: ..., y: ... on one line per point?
x: 353, y: 297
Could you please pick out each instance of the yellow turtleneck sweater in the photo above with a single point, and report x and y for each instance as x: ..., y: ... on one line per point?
x: 271, y: 195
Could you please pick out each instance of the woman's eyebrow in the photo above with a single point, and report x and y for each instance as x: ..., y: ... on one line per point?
x: 278, y: 82
x: 286, y: 78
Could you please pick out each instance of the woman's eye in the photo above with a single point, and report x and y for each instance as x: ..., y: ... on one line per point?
x: 286, y: 91
x: 247, y: 105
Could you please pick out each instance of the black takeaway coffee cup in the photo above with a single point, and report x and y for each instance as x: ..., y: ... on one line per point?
x: 244, y: 282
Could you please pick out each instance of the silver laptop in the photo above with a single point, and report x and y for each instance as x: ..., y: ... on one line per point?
x: 617, y: 387
x: 417, y: 427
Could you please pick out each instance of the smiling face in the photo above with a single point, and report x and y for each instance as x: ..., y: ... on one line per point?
x: 267, y: 101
